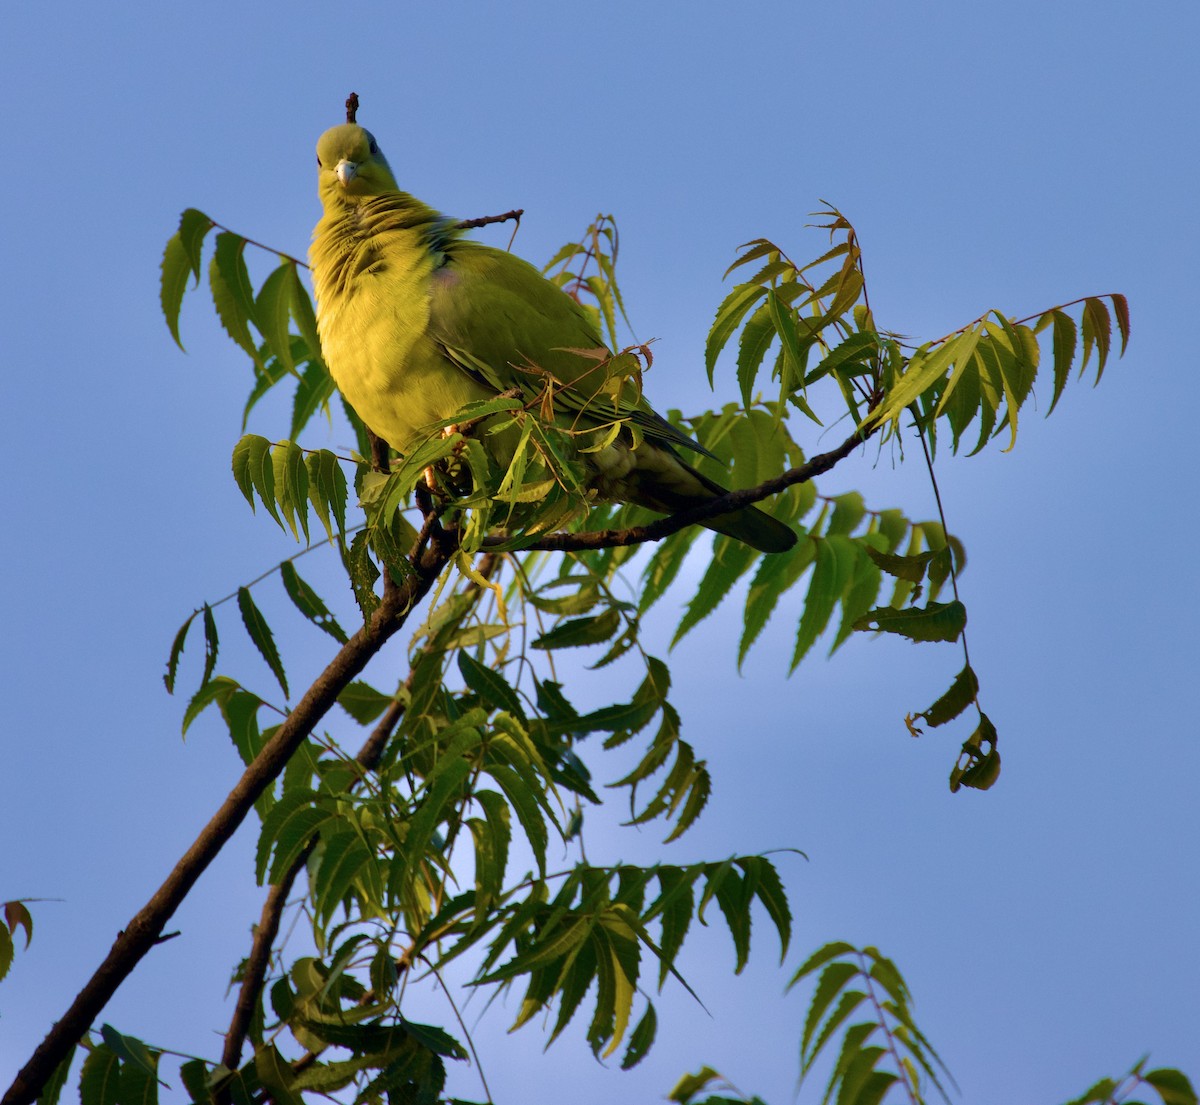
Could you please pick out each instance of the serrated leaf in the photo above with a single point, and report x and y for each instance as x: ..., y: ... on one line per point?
x: 313, y: 392
x: 290, y: 478
x: 363, y: 702
x: 272, y: 309
x: 327, y: 490
x: 1173, y: 1086
x: 181, y: 259
x: 730, y: 561
x: 17, y: 915
x: 936, y: 621
x: 363, y: 573
x: 53, y: 1088
x: 911, y: 568
x: 207, y: 694
x: 729, y: 317
x: 824, y: 590
x: 1064, y: 343
x: 641, y: 1039
x: 177, y: 652
x: 260, y: 633
x: 233, y: 295
x: 309, y: 603
x: 578, y: 632
x: 100, y: 1077
x: 490, y: 685
x: 253, y: 469
x: 957, y: 698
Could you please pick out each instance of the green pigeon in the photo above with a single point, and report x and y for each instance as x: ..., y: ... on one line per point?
x: 416, y: 322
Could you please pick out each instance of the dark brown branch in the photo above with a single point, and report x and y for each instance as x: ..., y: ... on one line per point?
x: 144, y: 929
x: 725, y: 504
x: 485, y: 220
x: 352, y: 108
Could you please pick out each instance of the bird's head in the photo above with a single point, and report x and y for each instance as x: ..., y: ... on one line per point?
x: 350, y: 165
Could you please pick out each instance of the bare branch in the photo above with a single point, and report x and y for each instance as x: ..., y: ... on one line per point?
x: 485, y: 220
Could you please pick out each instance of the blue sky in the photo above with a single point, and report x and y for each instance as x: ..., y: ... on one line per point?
x: 1010, y: 156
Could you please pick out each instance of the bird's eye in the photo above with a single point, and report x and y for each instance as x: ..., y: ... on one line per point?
x: 374, y: 147
x: 319, y: 165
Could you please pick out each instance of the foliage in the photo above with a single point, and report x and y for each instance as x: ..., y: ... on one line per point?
x: 436, y: 841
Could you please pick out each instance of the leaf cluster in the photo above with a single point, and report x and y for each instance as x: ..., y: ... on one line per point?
x: 437, y: 840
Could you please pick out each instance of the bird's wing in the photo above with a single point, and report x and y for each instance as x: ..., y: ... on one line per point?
x: 499, y: 319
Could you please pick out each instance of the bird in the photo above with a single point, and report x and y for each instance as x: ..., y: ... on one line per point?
x: 416, y: 321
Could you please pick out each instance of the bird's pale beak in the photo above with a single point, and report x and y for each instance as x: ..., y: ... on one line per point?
x: 346, y: 171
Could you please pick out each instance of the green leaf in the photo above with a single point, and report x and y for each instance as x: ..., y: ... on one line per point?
x: 937, y: 621
x: 100, y: 1077
x: 1097, y: 333
x: 641, y: 1039
x: 254, y: 471
x: 768, y: 888
x: 344, y: 859
x: 776, y: 576
x: 211, y: 644
x: 309, y: 603
x: 276, y: 1075
x: 260, y: 633
x: 578, y: 632
x: 313, y: 393
x: 177, y: 652
x: 7, y: 950
x: 832, y: 982
x: 910, y: 568
x: 272, y: 308
x: 232, y: 292
x: 208, y: 693
x: 363, y: 573
x: 830, y: 572
x: 302, y: 312
x: 291, y: 485
x: 363, y: 702
x: 327, y: 490
x: 287, y: 832
x: 1172, y: 1085
x: 130, y: 1049
x: 960, y: 695
x: 978, y: 764
x: 758, y: 335
x: 181, y: 259
x: 17, y: 915
x: 53, y: 1088
x: 819, y: 958
x: 730, y: 561
x: 729, y: 317
x: 490, y: 685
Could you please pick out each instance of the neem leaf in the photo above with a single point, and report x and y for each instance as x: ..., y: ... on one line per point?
x: 260, y: 633
x: 938, y: 621
x: 960, y: 695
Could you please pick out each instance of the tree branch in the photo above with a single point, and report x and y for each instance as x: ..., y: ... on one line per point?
x: 143, y: 931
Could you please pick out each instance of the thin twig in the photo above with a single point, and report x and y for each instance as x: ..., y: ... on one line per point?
x: 487, y: 220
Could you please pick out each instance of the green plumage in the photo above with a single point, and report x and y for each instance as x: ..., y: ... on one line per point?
x: 416, y: 322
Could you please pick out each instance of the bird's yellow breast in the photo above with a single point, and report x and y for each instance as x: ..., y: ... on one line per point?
x: 372, y: 292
